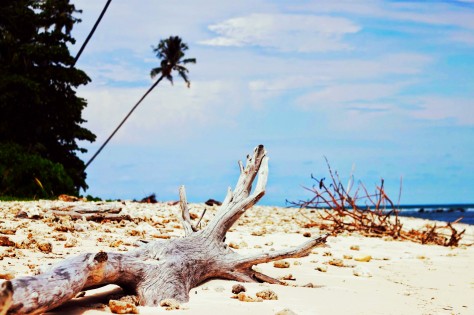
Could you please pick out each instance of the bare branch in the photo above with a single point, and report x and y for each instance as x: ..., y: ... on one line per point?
x: 186, y: 219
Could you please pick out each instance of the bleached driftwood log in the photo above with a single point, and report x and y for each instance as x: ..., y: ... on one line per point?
x: 163, y: 268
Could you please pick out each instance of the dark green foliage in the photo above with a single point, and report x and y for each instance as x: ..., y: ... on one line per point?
x: 39, y: 108
x: 29, y: 175
x: 171, y: 52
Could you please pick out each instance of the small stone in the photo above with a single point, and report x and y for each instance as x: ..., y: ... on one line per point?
x: 245, y: 298
x: 121, y: 307
x: 45, y: 247
x: 321, y: 268
x: 354, y: 247
x: 5, y: 241
x: 307, y: 234
x: 116, y: 243
x: 288, y: 277
x: 234, y: 245
x: 363, y: 258
x: 170, y: 304
x: 336, y: 262
x: 267, y: 295
x: 361, y: 271
x: 347, y: 256
x: 237, y: 288
x: 281, y: 264
x: 285, y: 311
x: 327, y: 254
x: 71, y: 242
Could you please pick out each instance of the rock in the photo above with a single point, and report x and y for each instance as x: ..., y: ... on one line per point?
x: 361, y: 271
x: 170, y: 304
x: 213, y: 202
x: 237, y: 288
x: 5, y: 241
x: 285, y: 311
x: 354, y: 247
x: 245, y: 298
x: 281, y: 264
x: 288, y: 277
x: 321, y: 268
x: 336, y: 262
x: 234, y: 245
x: 307, y: 234
x: 267, y: 295
x: 347, y: 256
x: 45, y: 247
x: 71, y: 242
x: 121, y: 307
x: 363, y: 258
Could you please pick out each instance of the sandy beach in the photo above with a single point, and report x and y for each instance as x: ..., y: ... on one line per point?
x: 352, y: 275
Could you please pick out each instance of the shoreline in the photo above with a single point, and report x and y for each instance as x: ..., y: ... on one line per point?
x: 401, y: 277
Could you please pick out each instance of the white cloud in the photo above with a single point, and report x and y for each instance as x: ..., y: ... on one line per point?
x: 174, y: 111
x: 456, y: 110
x: 286, y: 32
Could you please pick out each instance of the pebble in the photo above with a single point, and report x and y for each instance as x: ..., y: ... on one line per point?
x: 170, y: 304
x: 281, y: 264
x: 237, y: 288
x: 267, y: 295
x: 120, y: 307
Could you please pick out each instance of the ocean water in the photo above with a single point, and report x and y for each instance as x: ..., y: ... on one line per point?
x: 446, y: 214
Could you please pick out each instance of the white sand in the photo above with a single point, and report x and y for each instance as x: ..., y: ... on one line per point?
x: 406, y: 278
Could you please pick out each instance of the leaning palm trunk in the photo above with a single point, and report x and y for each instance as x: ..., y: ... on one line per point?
x: 123, y: 121
x: 164, y: 268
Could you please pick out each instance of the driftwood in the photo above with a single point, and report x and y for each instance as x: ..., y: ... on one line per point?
x: 339, y: 211
x: 162, y: 268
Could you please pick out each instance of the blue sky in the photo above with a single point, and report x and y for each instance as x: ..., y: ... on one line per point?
x: 383, y: 89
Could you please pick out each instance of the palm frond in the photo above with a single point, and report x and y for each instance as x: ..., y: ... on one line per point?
x: 189, y: 60
x: 155, y: 71
x: 185, y: 78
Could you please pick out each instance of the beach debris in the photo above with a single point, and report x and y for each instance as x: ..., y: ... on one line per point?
x: 347, y: 256
x: 149, y: 199
x: 321, y: 268
x: 354, y: 247
x: 339, y: 211
x: 307, y: 234
x: 212, y: 202
x: 170, y: 304
x: 237, y: 288
x: 5, y: 241
x: 281, y: 264
x: 234, y: 245
x: 288, y: 277
x: 122, y: 307
x: 363, y: 258
x: 285, y: 311
x: 267, y: 294
x: 336, y: 262
x: 242, y: 297
x: 45, y: 247
x: 361, y: 271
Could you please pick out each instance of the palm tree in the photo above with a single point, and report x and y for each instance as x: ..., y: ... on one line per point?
x: 171, y: 52
x: 89, y: 36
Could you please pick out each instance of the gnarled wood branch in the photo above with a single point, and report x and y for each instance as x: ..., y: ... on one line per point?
x: 162, y: 268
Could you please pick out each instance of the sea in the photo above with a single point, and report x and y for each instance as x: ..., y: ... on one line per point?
x: 462, y: 213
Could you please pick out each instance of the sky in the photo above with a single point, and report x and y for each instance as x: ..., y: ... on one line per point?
x: 381, y: 89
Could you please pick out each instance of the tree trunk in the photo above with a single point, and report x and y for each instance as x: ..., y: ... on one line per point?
x: 163, y: 268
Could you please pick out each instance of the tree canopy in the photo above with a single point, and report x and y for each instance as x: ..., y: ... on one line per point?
x: 39, y: 108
